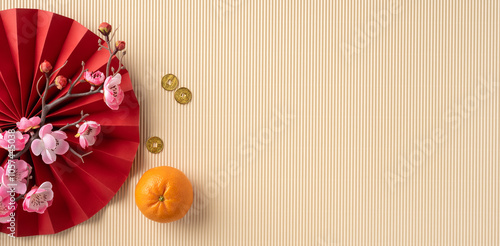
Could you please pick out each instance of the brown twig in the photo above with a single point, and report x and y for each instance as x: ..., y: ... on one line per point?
x: 75, y: 123
x: 112, y: 52
x: 57, y: 70
x: 79, y: 155
x: 113, y: 35
x: 120, y: 66
x: 37, y: 85
x: 77, y: 80
x: 102, y: 46
x: 109, y: 62
x: 44, y: 106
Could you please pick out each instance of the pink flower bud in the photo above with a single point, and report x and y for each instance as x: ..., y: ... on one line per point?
x: 61, y: 82
x: 45, y: 67
x: 105, y: 28
x: 94, y: 78
x: 120, y: 45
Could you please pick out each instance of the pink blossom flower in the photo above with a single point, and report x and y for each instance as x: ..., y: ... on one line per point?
x: 87, y: 133
x: 50, y: 144
x: 16, y: 177
x: 113, y: 93
x: 94, y: 78
x: 39, y: 198
x: 20, y: 140
x: 26, y: 125
x: 5, y: 206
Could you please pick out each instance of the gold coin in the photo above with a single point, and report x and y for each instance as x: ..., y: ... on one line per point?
x: 169, y: 82
x: 183, y: 95
x: 154, y: 145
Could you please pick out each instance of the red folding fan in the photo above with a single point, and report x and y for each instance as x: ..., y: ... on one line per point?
x: 27, y: 38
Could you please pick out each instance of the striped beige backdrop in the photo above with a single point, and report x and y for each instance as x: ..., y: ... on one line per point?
x: 312, y: 122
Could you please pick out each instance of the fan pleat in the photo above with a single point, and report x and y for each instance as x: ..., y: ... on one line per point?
x: 26, y: 31
x: 6, y: 98
x: 7, y: 62
x: 84, y: 194
x: 58, y: 208
x: 51, y: 35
